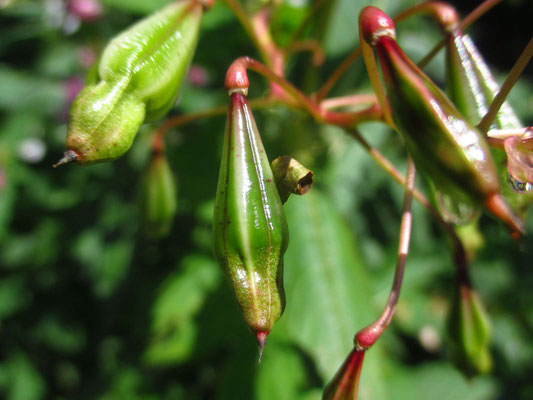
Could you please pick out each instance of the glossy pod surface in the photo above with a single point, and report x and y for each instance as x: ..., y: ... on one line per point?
x: 470, y: 84
x: 444, y: 146
x: 472, y: 88
x: 137, y: 79
x: 250, y: 232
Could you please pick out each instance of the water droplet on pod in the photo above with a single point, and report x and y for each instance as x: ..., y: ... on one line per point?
x: 454, y: 211
x: 517, y: 186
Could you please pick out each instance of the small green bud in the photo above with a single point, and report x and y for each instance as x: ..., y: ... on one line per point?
x: 469, y: 333
x: 250, y: 233
x: 291, y: 177
x: 136, y: 79
x: 158, y: 197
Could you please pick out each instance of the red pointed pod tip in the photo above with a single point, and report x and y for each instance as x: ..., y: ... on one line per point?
x: 497, y: 205
x: 261, y: 341
x: 375, y: 24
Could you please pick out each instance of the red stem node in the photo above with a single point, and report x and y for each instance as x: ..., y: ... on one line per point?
x: 375, y: 23
x: 236, y: 77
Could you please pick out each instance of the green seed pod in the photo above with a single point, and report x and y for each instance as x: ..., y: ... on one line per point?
x: 291, y: 177
x: 158, y: 197
x: 444, y: 146
x: 469, y: 333
x: 250, y: 233
x: 137, y: 79
x: 470, y: 84
x: 472, y: 88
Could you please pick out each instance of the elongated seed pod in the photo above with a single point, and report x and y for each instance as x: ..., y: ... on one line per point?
x: 250, y: 232
x: 472, y: 88
x: 445, y: 147
x: 470, y: 84
x: 137, y: 79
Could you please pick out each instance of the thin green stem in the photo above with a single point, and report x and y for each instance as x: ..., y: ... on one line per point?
x: 511, y: 79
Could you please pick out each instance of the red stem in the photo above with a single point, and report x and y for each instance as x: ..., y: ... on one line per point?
x: 367, y: 336
x: 237, y: 80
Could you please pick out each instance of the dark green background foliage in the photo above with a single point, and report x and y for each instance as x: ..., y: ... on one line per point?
x: 90, y: 308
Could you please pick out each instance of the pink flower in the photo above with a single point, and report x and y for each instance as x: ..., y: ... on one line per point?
x: 85, y: 10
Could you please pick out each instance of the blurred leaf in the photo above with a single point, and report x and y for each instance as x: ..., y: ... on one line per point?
x: 282, y: 375
x: 137, y: 6
x: 14, y: 296
x: 106, y: 264
x: 326, y: 285
x: 35, y: 94
x: 24, y: 381
x: 441, y: 381
x: 50, y: 332
x: 179, y: 300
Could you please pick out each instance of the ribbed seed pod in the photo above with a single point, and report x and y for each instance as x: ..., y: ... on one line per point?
x: 250, y: 232
x: 137, y: 79
x: 158, y: 197
x: 470, y: 84
x: 444, y: 146
x: 472, y: 88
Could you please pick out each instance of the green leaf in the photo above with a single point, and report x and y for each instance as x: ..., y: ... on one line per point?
x: 24, y: 381
x: 33, y: 93
x: 180, y: 298
x: 327, y: 288
x: 282, y: 375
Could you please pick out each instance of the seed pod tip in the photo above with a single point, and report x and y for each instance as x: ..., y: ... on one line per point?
x: 375, y: 24
x: 497, y: 205
x: 68, y: 156
x: 261, y: 341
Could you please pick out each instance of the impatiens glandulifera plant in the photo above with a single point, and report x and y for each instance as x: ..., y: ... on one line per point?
x: 137, y: 79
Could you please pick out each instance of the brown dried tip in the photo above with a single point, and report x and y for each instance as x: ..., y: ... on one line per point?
x: 375, y: 24
x: 497, y: 205
x: 68, y: 156
x: 261, y: 341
